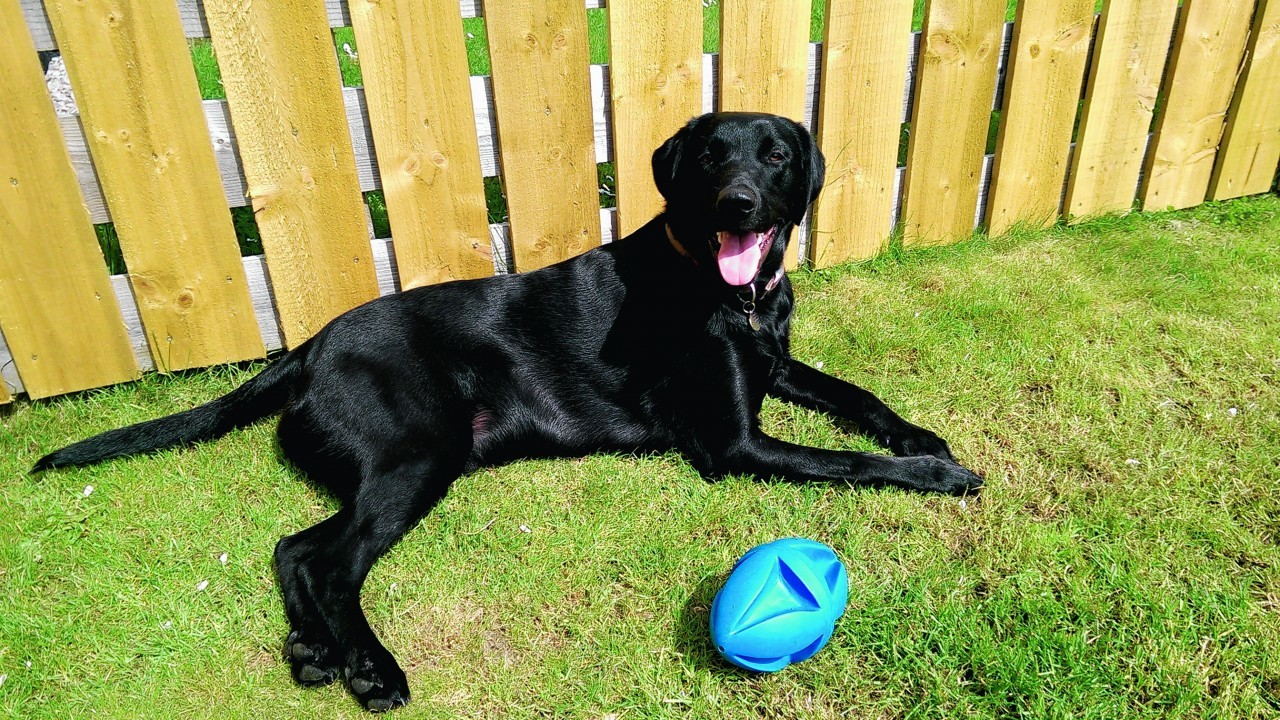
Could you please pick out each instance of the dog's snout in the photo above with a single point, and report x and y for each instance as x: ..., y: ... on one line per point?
x: 737, y: 201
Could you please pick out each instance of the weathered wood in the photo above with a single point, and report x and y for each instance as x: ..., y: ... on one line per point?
x: 951, y: 118
x: 1046, y: 72
x: 195, y: 25
x: 1129, y: 52
x: 430, y: 162
x: 763, y: 54
x: 130, y: 68
x: 286, y: 104
x: 656, y: 83
x: 1197, y: 90
x: 538, y: 49
x: 864, y: 64
x: 1251, y: 142
x: 57, y: 312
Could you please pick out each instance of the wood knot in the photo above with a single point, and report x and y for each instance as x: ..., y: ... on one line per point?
x: 186, y: 299
x: 411, y: 165
x: 438, y: 159
x: 942, y: 46
x: 1034, y: 50
x: 530, y: 40
x: 560, y: 41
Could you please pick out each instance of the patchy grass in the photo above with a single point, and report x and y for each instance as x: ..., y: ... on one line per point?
x: 1116, y: 382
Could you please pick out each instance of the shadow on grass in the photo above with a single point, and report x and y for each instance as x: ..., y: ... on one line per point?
x: 693, y: 632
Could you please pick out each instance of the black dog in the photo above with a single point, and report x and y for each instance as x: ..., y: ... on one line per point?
x: 667, y: 339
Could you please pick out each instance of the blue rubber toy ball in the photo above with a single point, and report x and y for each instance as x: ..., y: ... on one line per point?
x: 779, y: 605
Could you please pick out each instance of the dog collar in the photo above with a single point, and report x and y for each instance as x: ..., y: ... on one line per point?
x: 748, y: 295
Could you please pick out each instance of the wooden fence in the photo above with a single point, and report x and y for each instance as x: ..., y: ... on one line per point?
x: 147, y: 154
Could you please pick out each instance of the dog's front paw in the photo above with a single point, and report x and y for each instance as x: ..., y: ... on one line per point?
x: 916, y: 440
x: 376, y: 680
x: 312, y: 658
x: 931, y: 474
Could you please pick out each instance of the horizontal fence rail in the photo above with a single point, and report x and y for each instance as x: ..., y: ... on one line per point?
x: 1047, y: 170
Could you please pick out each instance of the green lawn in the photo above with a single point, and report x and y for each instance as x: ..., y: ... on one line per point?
x: 1116, y: 383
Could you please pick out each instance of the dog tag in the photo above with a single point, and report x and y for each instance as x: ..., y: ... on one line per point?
x: 753, y: 321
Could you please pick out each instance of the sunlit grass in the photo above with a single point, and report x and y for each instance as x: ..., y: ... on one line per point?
x: 1115, y: 382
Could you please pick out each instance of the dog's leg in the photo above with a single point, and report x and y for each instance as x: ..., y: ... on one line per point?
x: 388, y: 504
x: 310, y: 648
x: 753, y: 452
x: 800, y: 384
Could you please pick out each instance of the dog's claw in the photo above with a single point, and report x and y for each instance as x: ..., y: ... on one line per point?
x: 310, y: 661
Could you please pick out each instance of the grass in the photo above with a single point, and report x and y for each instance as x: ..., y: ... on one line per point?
x: 1116, y: 383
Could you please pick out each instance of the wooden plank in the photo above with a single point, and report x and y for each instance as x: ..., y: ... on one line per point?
x: 195, y: 25
x: 1197, y: 90
x: 950, y: 121
x: 655, y: 49
x: 285, y: 97
x: 1129, y: 54
x: 57, y: 312
x: 1250, y: 149
x: 763, y: 58
x: 137, y: 92
x: 538, y: 49
x: 864, y: 65
x: 1046, y: 72
x: 426, y: 142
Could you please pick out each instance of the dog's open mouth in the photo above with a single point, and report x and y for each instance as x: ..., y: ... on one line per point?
x: 740, y: 254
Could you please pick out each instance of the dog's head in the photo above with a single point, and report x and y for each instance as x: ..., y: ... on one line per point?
x: 735, y: 185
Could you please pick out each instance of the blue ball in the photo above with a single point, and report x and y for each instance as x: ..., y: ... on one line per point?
x: 779, y: 605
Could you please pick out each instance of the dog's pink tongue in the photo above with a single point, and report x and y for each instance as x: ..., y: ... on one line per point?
x: 739, y: 257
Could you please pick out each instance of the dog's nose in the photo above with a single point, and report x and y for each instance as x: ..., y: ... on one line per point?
x: 737, y: 201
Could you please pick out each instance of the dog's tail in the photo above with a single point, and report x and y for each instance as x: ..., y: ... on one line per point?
x: 267, y: 393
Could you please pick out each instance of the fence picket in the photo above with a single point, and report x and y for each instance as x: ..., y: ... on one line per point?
x: 864, y: 68
x: 1042, y: 91
x: 656, y: 82
x: 955, y: 82
x: 764, y: 53
x: 429, y: 160
x: 1251, y: 142
x: 1197, y: 92
x: 1129, y: 53
x: 195, y: 25
x: 57, y: 311
x: 281, y: 79
x: 541, y: 87
x: 130, y: 68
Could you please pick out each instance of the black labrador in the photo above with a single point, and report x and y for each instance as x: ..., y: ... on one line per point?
x: 668, y: 339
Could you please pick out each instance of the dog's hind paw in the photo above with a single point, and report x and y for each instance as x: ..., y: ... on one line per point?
x: 314, y: 662
x: 376, y: 680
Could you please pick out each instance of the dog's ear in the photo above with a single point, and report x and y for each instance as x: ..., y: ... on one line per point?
x: 817, y: 167
x: 666, y: 159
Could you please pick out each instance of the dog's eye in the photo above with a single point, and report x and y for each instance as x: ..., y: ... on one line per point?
x: 776, y: 157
